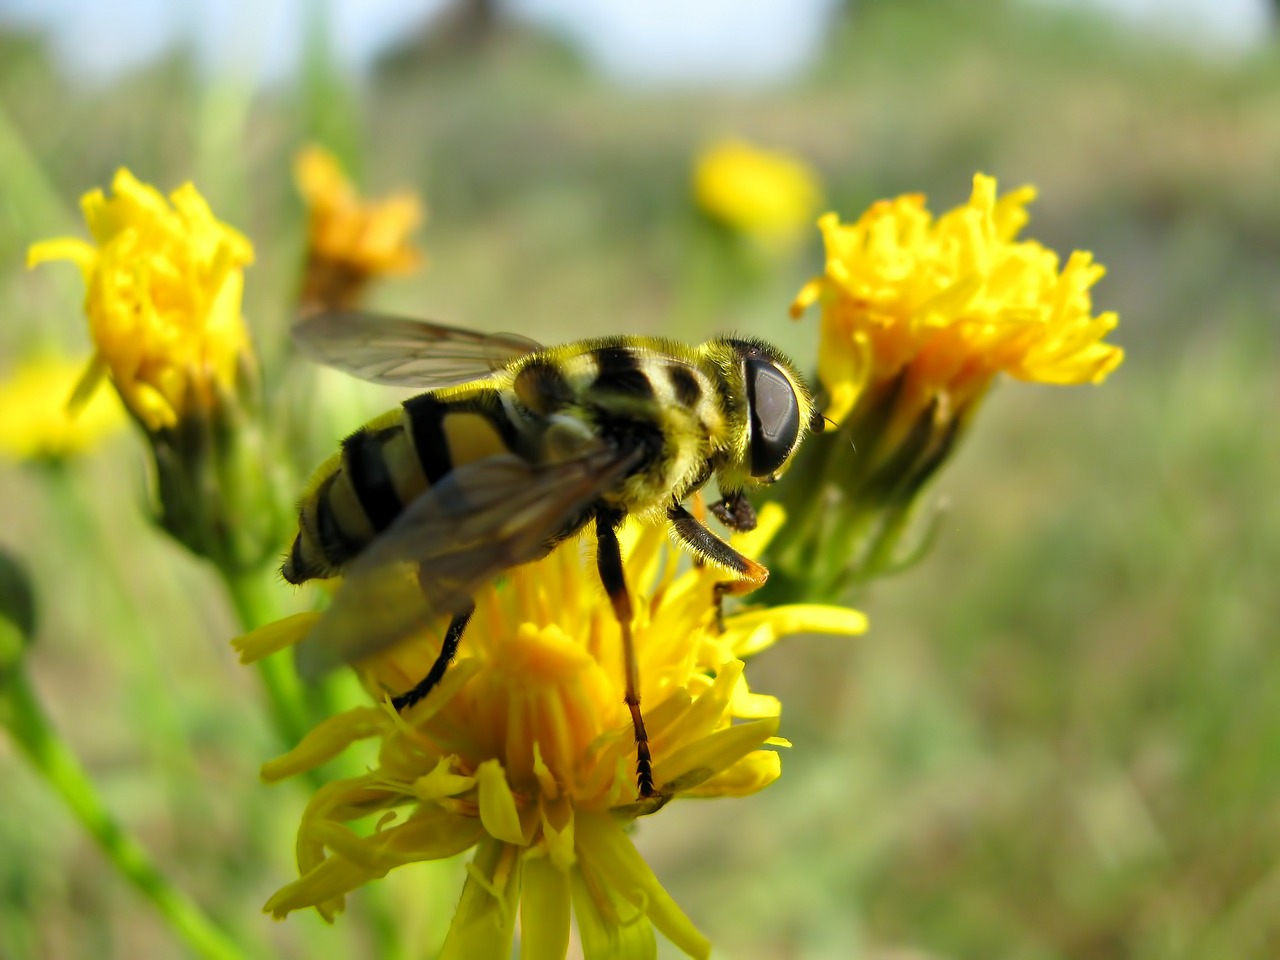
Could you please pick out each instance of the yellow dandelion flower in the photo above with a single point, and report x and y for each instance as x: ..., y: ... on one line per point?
x: 525, y: 751
x: 35, y: 422
x: 919, y: 316
x: 765, y: 194
x: 349, y: 240
x: 947, y: 304
x: 163, y: 280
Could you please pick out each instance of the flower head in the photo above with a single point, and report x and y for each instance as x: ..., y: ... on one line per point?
x: 350, y: 241
x: 919, y: 316
x: 163, y: 280
x: 525, y: 750
x: 36, y: 423
x: 765, y: 194
x: 950, y: 303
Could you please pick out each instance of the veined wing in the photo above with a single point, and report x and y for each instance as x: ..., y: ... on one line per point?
x: 404, y: 352
x: 482, y: 519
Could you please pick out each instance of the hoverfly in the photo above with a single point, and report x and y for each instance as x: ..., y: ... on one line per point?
x: 515, y: 448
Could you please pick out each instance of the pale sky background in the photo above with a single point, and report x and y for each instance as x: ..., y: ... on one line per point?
x: 658, y: 41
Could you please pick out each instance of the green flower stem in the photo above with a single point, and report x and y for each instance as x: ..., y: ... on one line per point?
x: 21, y: 712
x: 257, y: 603
x: 139, y: 640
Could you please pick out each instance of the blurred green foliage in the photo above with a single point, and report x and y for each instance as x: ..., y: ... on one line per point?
x: 1059, y: 739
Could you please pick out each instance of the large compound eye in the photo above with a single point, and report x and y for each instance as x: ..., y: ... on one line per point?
x: 775, y: 416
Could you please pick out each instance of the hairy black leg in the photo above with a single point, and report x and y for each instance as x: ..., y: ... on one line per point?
x: 706, y: 544
x: 609, y: 563
x: 448, y: 650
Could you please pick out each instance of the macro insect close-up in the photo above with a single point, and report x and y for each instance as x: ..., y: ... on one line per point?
x: 598, y: 480
x: 517, y: 448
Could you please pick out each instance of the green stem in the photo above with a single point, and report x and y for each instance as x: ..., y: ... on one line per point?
x: 51, y: 756
x: 256, y: 604
x: 83, y: 522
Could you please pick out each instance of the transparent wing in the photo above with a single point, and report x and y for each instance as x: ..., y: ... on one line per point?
x: 482, y: 519
x: 403, y: 352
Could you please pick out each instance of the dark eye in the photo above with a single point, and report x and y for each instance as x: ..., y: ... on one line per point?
x: 775, y: 416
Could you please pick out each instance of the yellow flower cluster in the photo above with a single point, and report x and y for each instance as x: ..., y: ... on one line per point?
x: 164, y: 281
x: 35, y: 422
x: 768, y: 195
x: 525, y: 751
x: 951, y: 302
x: 350, y: 240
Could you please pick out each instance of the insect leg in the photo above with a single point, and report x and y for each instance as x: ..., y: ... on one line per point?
x: 448, y: 649
x: 704, y: 543
x: 609, y: 563
x: 700, y: 514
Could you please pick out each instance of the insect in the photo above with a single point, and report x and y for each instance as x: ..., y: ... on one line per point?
x: 514, y: 449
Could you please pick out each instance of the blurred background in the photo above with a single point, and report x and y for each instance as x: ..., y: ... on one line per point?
x: 1060, y: 738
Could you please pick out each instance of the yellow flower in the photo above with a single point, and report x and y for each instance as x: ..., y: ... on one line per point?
x: 950, y: 303
x: 769, y: 195
x: 919, y: 316
x: 35, y: 423
x: 350, y: 240
x: 163, y: 281
x: 525, y: 751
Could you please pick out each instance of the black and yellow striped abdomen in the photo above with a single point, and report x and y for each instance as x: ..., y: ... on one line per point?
x: 387, y: 464
x: 672, y: 403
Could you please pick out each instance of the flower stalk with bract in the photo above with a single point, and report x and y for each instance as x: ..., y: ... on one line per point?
x: 163, y: 282
x: 919, y: 317
x: 164, y: 279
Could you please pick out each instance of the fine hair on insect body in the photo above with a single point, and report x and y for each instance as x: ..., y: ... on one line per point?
x: 515, y: 448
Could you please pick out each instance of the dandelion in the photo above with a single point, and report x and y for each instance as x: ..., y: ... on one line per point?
x: 525, y: 751
x: 949, y: 304
x: 918, y: 318
x: 37, y: 423
x: 350, y: 241
x: 163, y: 283
x: 767, y: 195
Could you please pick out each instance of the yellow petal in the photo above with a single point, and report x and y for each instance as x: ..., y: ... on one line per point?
x: 432, y: 834
x: 326, y: 741
x: 749, y: 775
x: 319, y: 177
x: 484, y: 922
x: 544, y: 911
x: 328, y: 882
x: 546, y: 779
x: 83, y: 255
x: 558, y: 833
x: 709, y: 709
x: 746, y: 705
x: 604, y: 935
x: 274, y: 637
x: 610, y: 853
x: 704, y: 758
x: 497, y: 804
x: 442, y: 781
x: 790, y: 619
